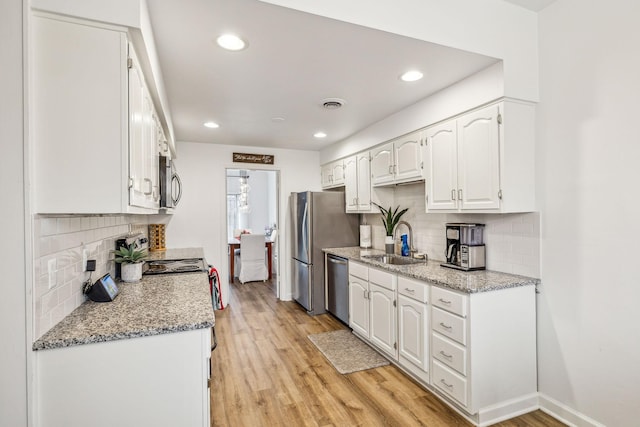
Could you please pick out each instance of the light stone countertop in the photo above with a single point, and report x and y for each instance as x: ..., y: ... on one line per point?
x: 158, y: 304
x: 433, y: 272
x: 179, y: 253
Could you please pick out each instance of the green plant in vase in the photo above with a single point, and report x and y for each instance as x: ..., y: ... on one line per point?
x: 390, y: 218
x: 131, y: 260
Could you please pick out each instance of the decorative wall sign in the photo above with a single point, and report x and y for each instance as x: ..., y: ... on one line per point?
x: 265, y: 159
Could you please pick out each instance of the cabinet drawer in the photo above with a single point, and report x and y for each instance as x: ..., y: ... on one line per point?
x: 450, y: 301
x: 449, y: 325
x: 449, y: 353
x: 413, y: 289
x: 359, y: 270
x: 382, y: 278
x: 449, y: 382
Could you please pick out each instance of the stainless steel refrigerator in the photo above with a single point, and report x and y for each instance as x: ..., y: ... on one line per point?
x: 318, y: 221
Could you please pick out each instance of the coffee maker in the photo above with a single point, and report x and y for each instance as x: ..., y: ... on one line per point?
x: 465, y: 246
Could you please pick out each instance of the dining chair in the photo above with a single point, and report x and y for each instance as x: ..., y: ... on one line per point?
x: 252, y: 265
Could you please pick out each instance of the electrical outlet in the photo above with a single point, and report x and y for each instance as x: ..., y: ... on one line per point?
x: 52, y: 266
x: 85, y: 257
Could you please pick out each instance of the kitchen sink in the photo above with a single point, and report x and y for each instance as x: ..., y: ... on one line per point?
x: 395, y: 259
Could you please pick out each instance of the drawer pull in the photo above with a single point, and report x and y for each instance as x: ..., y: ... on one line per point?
x: 445, y: 326
x: 448, y: 356
x: 409, y: 290
x: 445, y: 383
x: 444, y: 301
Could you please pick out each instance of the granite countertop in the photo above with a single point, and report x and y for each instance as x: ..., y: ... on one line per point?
x: 180, y: 253
x: 158, y: 304
x: 433, y: 272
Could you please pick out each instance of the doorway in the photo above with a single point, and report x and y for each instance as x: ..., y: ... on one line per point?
x: 253, y: 200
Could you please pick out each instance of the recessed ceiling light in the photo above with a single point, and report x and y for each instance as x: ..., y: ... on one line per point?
x: 320, y: 135
x: 411, y: 76
x: 211, y: 125
x: 231, y: 42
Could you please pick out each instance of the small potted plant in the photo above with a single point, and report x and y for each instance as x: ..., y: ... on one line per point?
x: 390, y: 219
x: 131, y: 260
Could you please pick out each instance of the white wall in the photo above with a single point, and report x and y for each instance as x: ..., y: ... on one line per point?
x: 13, y: 313
x: 200, y: 219
x: 490, y: 27
x: 588, y: 170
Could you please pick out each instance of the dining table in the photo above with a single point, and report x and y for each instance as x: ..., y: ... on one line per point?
x: 235, y: 244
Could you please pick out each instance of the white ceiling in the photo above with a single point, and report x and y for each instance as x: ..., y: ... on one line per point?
x: 534, y: 5
x: 293, y: 62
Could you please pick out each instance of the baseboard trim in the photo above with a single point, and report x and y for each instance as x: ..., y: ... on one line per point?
x: 564, y: 413
x: 508, y: 409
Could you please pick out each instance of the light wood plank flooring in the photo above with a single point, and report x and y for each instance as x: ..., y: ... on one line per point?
x: 266, y: 372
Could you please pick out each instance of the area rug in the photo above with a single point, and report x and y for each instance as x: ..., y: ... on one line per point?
x: 346, y: 352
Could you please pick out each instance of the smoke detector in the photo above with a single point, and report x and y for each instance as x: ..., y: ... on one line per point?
x: 333, y: 103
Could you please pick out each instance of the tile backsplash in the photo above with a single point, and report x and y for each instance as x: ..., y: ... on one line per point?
x: 512, y: 240
x: 62, y: 239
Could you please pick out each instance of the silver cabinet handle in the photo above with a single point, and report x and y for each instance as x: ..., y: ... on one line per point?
x: 460, y: 194
x: 445, y: 383
x: 409, y: 290
x: 390, y: 169
x: 444, y: 301
x: 453, y: 194
x: 445, y: 326
x: 448, y: 356
x: 148, y: 181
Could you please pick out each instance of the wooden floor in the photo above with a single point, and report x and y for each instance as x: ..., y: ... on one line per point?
x: 266, y: 372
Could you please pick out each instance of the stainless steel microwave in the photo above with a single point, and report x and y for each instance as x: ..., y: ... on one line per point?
x: 170, y: 184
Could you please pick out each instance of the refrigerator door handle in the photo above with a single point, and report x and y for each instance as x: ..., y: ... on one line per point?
x: 305, y: 218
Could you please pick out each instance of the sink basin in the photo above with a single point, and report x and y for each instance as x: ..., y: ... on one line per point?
x: 394, y: 259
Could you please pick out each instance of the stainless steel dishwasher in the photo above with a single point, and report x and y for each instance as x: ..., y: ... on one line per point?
x: 338, y: 287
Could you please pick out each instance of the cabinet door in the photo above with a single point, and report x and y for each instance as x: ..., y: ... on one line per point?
x: 358, y: 306
x: 364, y: 183
x: 78, y: 125
x: 337, y: 172
x: 382, y: 165
x: 441, y: 177
x: 351, y: 184
x: 138, y: 130
x: 383, y: 319
x: 412, y: 331
x: 479, y: 159
x: 408, y: 155
x: 325, y: 176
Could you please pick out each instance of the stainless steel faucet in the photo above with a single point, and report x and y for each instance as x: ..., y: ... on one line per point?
x: 412, y: 250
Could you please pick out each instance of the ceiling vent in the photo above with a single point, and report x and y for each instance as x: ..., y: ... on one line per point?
x: 333, y: 103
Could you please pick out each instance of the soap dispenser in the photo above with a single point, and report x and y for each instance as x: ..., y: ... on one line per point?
x: 405, y: 245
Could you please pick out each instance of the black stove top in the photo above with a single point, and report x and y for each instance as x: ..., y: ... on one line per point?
x: 165, y: 266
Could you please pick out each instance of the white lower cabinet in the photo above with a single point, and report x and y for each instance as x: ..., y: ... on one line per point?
x: 383, y: 319
x: 477, y: 351
x: 160, y: 380
x: 359, y: 305
x: 413, y: 327
x: 372, y: 306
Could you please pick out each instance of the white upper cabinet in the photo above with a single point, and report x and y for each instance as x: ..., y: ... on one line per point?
x: 357, y: 184
x: 478, y: 159
x: 94, y: 127
x: 397, y: 161
x: 382, y: 164
x: 333, y: 174
x: 78, y: 102
x: 482, y: 161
